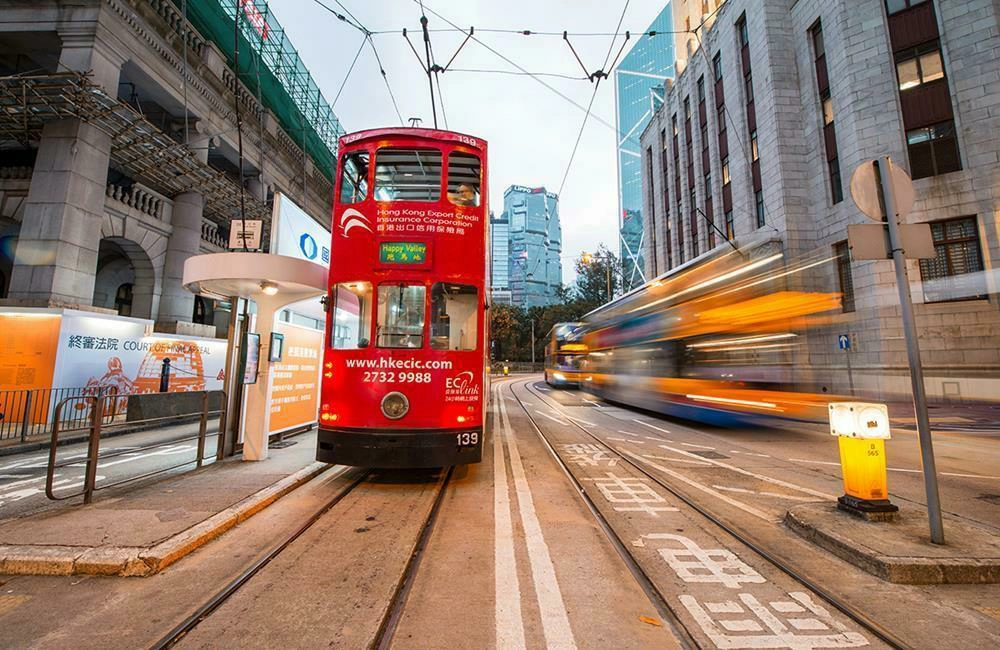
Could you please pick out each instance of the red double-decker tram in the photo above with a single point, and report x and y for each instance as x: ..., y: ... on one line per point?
x: 404, y: 371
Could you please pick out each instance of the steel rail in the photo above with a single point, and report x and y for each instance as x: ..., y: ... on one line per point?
x: 655, y: 596
x: 220, y: 597
x: 854, y: 614
x: 387, y: 630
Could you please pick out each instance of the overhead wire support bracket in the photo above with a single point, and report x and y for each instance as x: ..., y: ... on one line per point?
x: 599, y: 74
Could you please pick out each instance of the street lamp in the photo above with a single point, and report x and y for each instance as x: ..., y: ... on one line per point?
x: 588, y: 258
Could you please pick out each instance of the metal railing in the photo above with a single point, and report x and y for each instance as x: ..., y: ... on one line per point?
x: 96, y: 407
x: 26, y: 413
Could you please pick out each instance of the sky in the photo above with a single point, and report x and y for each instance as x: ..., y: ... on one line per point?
x: 529, y: 128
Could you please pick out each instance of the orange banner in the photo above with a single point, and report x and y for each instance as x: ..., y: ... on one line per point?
x: 27, y: 360
x: 295, y: 379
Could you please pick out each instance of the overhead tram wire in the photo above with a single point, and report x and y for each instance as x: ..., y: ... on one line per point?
x: 349, y: 71
x: 356, y: 24
x: 518, y: 73
x: 596, y: 77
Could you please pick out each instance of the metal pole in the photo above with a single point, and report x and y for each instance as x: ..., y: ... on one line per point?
x: 93, y: 449
x: 427, y: 52
x: 26, y: 419
x: 202, y: 427
x: 850, y: 374
x: 532, y: 344
x: 607, y: 275
x: 913, y: 355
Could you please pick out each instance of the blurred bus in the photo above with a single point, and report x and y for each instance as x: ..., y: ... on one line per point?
x: 564, y: 355
x: 723, y: 341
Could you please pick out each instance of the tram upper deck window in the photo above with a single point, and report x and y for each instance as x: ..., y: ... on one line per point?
x: 400, y: 322
x: 463, y: 178
x: 354, y: 177
x: 454, y: 316
x: 352, y: 315
x: 407, y: 175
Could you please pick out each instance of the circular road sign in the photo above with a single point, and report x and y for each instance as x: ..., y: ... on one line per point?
x: 865, y: 191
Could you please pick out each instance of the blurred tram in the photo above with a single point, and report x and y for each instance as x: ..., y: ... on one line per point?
x: 722, y: 342
x: 404, y: 369
x: 564, y: 355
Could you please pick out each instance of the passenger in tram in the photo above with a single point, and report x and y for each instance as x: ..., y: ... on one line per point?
x: 464, y: 195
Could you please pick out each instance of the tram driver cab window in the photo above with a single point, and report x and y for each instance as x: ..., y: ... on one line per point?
x: 400, y: 322
x: 454, y: 316
x: 407, y: 174
x: 463, y: 178
x: 352, y: 315
x: 354, y: 177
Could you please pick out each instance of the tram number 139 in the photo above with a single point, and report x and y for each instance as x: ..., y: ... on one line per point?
x: 468, y: 438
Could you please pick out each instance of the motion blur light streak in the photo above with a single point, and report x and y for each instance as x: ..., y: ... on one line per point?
x: 755, y: 339
x: 727, y: 400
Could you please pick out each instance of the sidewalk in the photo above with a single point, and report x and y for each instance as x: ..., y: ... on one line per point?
x: 975, y: 417
x: 141, y: 531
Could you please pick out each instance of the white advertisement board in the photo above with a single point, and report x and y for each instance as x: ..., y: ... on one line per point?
x: 295, y: 234
x: 104, y: 351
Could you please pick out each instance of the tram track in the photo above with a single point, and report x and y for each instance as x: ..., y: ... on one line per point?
x: 657, y: 597
x: 383, y: 635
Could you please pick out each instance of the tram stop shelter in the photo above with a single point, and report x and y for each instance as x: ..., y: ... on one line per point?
x: 272, y: 282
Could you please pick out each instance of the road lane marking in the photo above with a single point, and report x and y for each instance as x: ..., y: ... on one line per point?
x: 546, y: 415
x: 748, y: 453
x: 895, y: 469
x: 691, y: 444
x: 589, y: 424
x: 704, y: 488
x: 552, y: 609
x: 507, y: 589
x: 762, y: 477
x: 677, y: 460
x: 634, y: 442
x: 651, y: 426
x: 726, y: 488
x: 634, y: 435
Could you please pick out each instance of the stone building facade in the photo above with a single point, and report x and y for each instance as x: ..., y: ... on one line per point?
x: 126, y: 164
x: 786, y: 98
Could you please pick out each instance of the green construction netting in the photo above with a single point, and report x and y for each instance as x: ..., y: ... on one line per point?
x: 285, y: 85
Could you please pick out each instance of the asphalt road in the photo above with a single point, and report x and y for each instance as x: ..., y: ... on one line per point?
x: 517, y: 558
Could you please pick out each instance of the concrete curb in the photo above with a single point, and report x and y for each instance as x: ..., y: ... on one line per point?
x: 146, y: 561
x: 898, y: 569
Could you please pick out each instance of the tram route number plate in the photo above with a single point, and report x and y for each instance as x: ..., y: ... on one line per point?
x: 402, y: 252
x: 468, y: 438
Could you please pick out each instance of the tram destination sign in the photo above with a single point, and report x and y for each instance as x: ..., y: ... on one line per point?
x: 402, y: 252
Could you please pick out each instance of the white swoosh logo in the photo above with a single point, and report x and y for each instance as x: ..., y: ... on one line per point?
x: 463, y: 379
x: 351, y: 218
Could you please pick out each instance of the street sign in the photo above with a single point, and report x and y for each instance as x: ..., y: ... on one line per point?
x: 245, y: 234
x: 844, y: 342
x: 865, y: 190
x: 868, y: 241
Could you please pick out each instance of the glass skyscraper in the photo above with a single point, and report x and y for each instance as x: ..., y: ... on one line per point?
x: 500, y: 258
x: 535, y: 244
x: 638, y: 93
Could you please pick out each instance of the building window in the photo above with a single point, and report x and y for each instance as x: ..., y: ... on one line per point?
x: 754, y: 153
x: 895, y: 6
x: 730, y: 228
x: 956, y: 242
x: 725, y: 171
x: 741, y: 28
x: 722, y: 119
x: 844, y: 276
x: 687, y: 108
x: 717, y: 66
x: 748, y: 85
x: 819, y: 48
x: 836, y: 187
x: 933, y: 150
x: 919, y: 65
x: 758, y: 199
x: 827, y: 111
x: 704, y: 136
x: 701, y: 89
x: 674, y: 121
x: 123, y: 299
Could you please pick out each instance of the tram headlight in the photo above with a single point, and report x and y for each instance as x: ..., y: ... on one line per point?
x: 395, y: 405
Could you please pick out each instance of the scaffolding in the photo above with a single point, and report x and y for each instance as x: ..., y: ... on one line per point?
x: 270, y: 67
x: 138, y: 148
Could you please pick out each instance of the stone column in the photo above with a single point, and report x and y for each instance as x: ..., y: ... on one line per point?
x: 176, y: 302
x: 56, y: 256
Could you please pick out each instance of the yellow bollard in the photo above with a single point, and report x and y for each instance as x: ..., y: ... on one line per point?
x: 862, y: 429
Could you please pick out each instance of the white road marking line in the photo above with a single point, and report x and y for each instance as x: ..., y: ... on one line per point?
x: 589, y: 424
x: 634, y: 435
x: 597, y: 404
x: 507, y: 589
x: 726, y: 488
x: 546, y: 415
x: 896, y: 469
x: 552, y: 609
x: 678, y: 460
x: 762, y: 477
x: 651, y: 426
x: 748, y: 453
x: 653, y: 439
x: 704, y: 488
x: 634, y: 442
x: 690, y: 444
